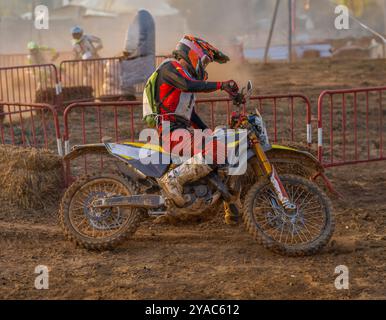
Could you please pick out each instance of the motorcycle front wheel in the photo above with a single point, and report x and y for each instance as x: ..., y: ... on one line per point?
x: 301, y: 232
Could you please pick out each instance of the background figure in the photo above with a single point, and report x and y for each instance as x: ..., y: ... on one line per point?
x: 39, y: 55
x: 113, y: 88
x: 138, y: 61
x: 236, y: 50
x: 86, y: 47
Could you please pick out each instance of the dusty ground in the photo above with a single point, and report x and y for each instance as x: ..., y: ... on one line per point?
x: 204, y: 261
x: 211, y: 260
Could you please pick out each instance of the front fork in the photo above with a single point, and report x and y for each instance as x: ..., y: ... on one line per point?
x: 270, y: 172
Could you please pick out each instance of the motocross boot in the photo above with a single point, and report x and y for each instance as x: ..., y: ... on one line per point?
x: 232, y: 212
x: 173, y: 181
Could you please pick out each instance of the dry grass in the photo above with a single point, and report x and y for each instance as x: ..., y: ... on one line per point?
x: 30, y: 178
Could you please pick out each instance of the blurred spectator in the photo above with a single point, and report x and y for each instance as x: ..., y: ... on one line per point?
x: 85, y: 46
x: 37, y: 54
x: 236, y: 50
x: 137, y: 62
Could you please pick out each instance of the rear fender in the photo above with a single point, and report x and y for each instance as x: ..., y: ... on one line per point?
x: 100, y: 149
x: 80, y: 150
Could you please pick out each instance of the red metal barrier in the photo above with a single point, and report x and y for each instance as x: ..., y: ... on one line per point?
x: 21, y: 59
x: 26, y: 84
x: 287, y: 125
x: 89, y: 122
x: 285, y: 119
x: 351, y: 127
x: 10, y: 60
x: 33, y: 125
x: 94, y: 79
x: 81, y: 80
x: 94, y: 120
x: 86, y: 78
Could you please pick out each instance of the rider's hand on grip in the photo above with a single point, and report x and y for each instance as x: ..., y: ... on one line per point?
x: 230, y: 87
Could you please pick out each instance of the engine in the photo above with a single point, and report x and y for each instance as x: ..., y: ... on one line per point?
x: 200, y: 197
x: 195, y: 191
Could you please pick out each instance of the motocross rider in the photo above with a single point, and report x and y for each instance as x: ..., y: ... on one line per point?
x: 177, y: 82
x: 85, y: 46
x: 36, y: 54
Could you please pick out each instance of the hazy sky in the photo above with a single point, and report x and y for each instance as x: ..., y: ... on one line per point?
x: 158, y: 7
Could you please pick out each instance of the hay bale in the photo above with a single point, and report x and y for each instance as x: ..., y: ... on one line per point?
x: 47, y: 95
x: 69, y: 94
x: 78, y: 93
x: 30, y: 178
x: 123, y: 97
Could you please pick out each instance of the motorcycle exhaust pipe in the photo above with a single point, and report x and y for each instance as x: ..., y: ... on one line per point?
x: 136, y: 201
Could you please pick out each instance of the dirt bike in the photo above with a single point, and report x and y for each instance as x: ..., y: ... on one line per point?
x: 282, y: 208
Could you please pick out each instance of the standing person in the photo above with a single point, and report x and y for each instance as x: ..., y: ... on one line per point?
x: 37, y: 56
x: 138, y: 60
x: 237, y: 50
x: 86, y: 47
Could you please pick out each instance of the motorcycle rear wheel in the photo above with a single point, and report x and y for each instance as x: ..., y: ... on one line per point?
x: 98, y: 229
x: 301, y: 233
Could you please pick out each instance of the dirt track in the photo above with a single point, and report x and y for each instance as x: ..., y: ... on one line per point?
x: 209, y: 260
x: 203, y: 261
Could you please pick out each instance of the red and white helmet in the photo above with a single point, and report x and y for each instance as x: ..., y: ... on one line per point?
x: 198, y: 53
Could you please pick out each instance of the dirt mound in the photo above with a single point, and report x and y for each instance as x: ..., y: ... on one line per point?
x: 30, y: 178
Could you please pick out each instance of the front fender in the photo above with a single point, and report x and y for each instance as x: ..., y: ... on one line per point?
x: 282, y: 155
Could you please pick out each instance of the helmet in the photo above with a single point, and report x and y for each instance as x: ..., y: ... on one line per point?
x: 77, y: 32
x: 198, y: 54
x: 32, y: 45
